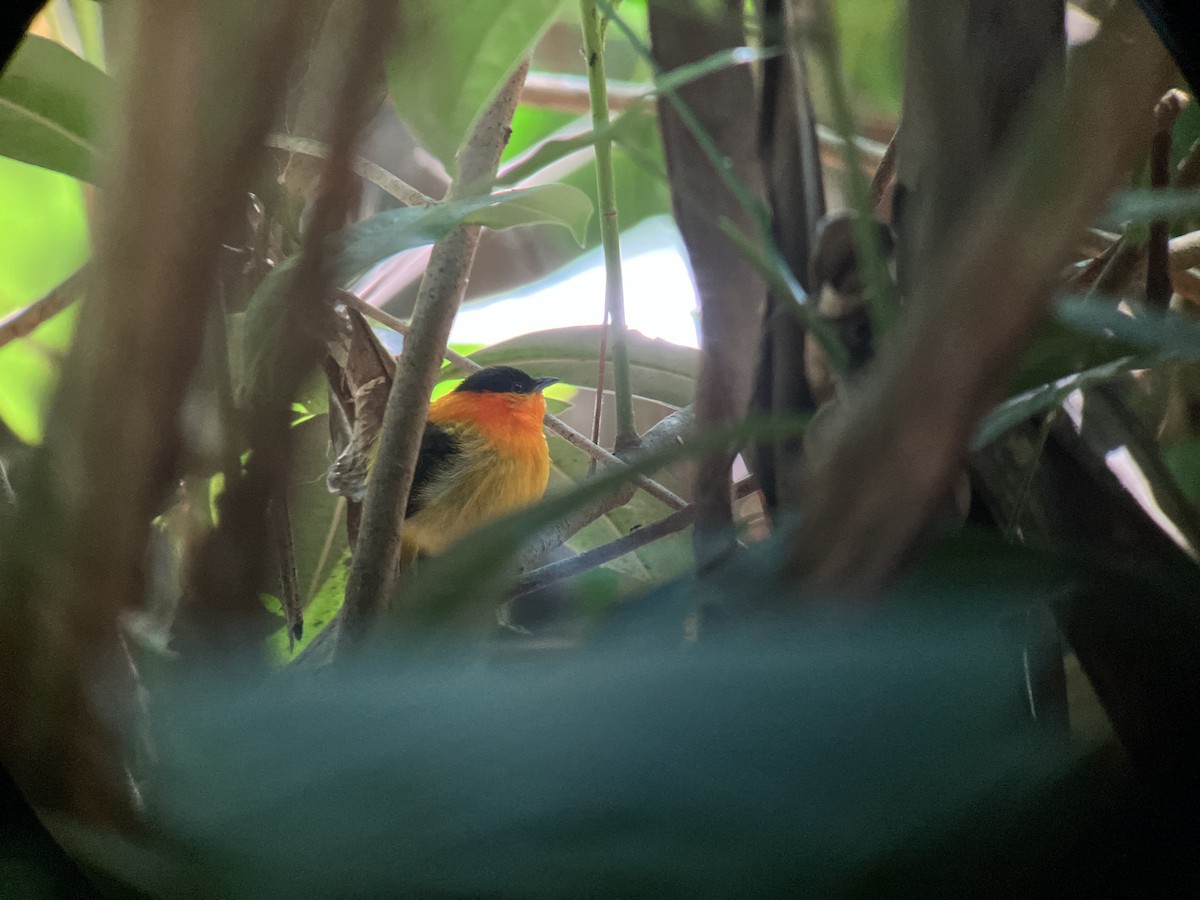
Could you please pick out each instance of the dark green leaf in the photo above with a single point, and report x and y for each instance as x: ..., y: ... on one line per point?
x: 659, y: 370
x: 371, y: 241
x: 451, y: 59
x: 51, y: 104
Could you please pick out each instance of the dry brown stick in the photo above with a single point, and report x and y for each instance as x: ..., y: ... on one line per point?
x: 1184, y: 252
x: 634, y: 540
x: 377, y: 552
x: 555, y: 424
x: 22, y: 322
x: 372, y: 172
x: 289, y: 585
x: 732, y: 292
x: 1158, y: 275
x: 569, y: 93
x: 903, y: 440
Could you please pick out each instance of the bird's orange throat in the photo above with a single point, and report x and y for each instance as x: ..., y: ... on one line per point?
x: 509, y: 421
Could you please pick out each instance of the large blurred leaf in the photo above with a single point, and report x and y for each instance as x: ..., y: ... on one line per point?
x: 548, y: 204
x: 659, y: 370
x: 1094, y: 328
x: 1060, y: 350
x: 769, y: 767
x: 51, y: 104
x: 451, y: 58
x: 43, y: 239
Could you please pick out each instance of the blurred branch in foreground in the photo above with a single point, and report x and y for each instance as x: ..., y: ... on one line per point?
x: 377, y: 553
x: 74, y: 559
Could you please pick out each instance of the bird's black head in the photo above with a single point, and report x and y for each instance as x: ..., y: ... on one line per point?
x: 504, y: 380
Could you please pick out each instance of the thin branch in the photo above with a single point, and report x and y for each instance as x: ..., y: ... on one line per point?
x: 570, y: 93
x: 610, y: 230
x: 289, y: 587
x: 335, y: 520
x: 1158, y: 275
x: 635, y: 540
x: 372, y: 172
x: 378, y: 550
x: 670, y: 431
x: 22, y: 322
x: 555, y: 424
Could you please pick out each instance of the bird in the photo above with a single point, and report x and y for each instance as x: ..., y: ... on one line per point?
x: 483, y: 454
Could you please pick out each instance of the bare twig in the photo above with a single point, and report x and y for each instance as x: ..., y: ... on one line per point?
x: 1158, y: 275
x: 670, y: 431
x: 635, y: 540
x: 570, y: 93
x: 378, y: 548
x: 289, y: 587
x: 555, y: 424
x: 372, y: 172
x: 22, y: 322
x: 230, y: 565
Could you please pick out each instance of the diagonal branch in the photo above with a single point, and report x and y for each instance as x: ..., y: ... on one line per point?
x: 23, y: 322
x: 378, y: 551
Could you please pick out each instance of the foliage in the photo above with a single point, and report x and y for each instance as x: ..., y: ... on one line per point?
x: 665, y: 729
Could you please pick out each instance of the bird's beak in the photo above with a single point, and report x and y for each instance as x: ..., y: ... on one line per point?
x: 540, y: 384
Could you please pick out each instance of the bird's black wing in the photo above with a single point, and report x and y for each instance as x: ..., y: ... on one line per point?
x: 439, y: 448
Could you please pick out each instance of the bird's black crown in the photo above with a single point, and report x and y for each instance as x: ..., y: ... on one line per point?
x: 504, y: 380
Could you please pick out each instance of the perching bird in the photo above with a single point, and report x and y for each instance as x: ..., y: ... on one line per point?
x: 483, y: 454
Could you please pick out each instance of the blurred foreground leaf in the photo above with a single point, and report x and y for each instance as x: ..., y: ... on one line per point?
x: 747, y: 766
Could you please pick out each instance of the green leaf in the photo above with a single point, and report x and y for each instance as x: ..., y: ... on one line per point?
x: 871, y: 35
x: 369, y: 242
x: 375, y: 239
x: 317, y: 615
x: 1059, y: 350
x: 654, y: 563
x: 51, y: 104
x: 1183, y: 460
x: 1147, y: 338
x: 619, y: 127
x: 1172, y: 334
x: 1144, y: 206
x: 452, y: 58
x: 1019, y: 408
x: 43, y: 239
x: 659, y: 370
x: 549, y: 204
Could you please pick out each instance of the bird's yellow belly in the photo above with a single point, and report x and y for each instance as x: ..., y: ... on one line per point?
x: 496, y: 485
